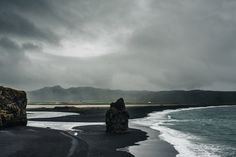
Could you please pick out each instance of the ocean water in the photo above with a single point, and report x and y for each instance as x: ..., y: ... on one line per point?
x: 197, y: 132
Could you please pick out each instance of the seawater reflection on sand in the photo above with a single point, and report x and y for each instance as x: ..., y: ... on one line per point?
x: 55, y: 125
x: 46, y: 114
x: 60, y: 125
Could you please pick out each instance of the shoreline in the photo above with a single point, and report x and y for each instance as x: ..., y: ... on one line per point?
x: 153, y: 145
x: 48, y: 106
x: 141, y: 145
x: 97, y: 115
x: 177, y: 138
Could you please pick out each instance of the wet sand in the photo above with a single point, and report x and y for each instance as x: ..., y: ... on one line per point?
x: 152, y: 146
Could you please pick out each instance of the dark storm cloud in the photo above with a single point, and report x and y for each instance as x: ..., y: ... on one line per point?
x: 15, y: 25
x: 148, y: 44
x: 11, y: 56
x: 31, y: 46
x: 10, y: 52
x: 7, y: 44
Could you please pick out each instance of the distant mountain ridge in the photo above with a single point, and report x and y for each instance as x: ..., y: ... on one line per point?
x: 91, y: 94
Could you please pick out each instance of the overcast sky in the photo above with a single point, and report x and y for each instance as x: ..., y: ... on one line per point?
x: 118, y: 44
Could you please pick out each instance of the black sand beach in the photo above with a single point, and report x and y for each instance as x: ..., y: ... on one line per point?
x: 39, y: 142
x: 103, y: 144
x: 91, y: 141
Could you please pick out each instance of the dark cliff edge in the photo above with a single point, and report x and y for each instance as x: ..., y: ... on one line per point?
x: 12, y: 107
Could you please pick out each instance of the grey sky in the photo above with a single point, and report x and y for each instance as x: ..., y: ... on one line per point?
x: 118, y: 44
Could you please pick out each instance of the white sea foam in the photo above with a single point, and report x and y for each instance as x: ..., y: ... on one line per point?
x: 44, y: 114
x: 182, y: 142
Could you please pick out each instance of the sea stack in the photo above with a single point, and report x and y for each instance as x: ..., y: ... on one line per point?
x: 117, y: 117
x: 12, y: 107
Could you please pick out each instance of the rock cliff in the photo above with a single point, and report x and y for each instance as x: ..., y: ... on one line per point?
x: 12, y: 107
x: 117, y: 117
